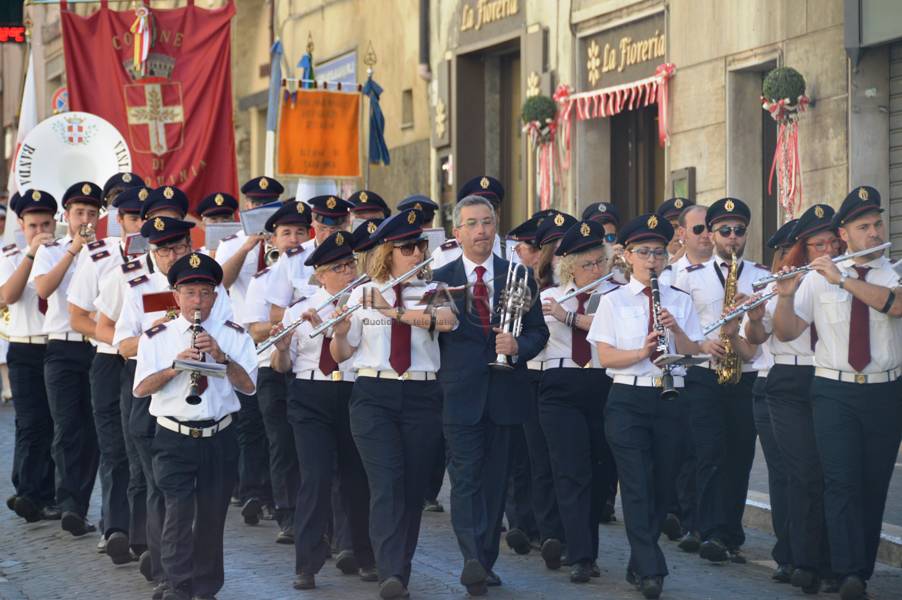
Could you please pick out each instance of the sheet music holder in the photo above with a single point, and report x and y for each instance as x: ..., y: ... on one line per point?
x: 253, y: 220
x: 681, y: 360
x: 215, y: 232
x: 136, y: 244
x: 435, y: 236
x: 208, y: 369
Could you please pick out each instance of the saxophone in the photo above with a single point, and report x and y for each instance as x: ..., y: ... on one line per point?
x: 729, y: 369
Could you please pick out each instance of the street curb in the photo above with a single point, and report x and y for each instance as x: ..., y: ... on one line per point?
x: 758, y: 516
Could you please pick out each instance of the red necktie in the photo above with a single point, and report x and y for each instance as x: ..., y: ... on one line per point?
x: 399, y: 359
x: 859, y: 329
x: 261, y: 257
x: 580, y: 350
x: 481, y: 299
x: 651, y: 321
x: 327, y: 364
x: 813, y: 337
x: 42, y: 305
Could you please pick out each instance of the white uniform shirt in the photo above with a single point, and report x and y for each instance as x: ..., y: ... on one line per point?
x: 102, y: 257
x: 228, y: 247
x: 371, y: 332
x: 801, y: 346
x: 622, y: 322
x: 451, y: 251
x: 157, y: 351
x: 560, y: 338
x: 25, y: 318
x: 829, y: 307
x: 290, y: 274
x: 305, y: 351
x: 113, y: 285
x: 702, y: 283
x: 669, y: 275
x: 488, y: 277
x: 48, y: 255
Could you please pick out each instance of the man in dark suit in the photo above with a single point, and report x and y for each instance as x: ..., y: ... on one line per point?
x: 482, y: 405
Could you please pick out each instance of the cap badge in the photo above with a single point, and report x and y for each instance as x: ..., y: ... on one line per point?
x: 559, y: 219
x: 585, y: 230
x: 194, y: 261
x: 729, y: 206
x: 142, y: 194
x: 218, y: 200
x: 371, y: 228
x: 418, y: 206
x: 127, y: 177
x: 35, y: 195
x: 86, y: 189
x: 484, y: 183
x: 330, y: 203
x: 300, y: 207
x: 363, y: 196
x: 158, y: 224
x: 818, y: 212
x: 678, y: 203
x: 411, y: 217
x: 602, y: 207
x: 863, y: 194
x: 339, y: 239
x: 652, y: 222
x: 168, y: 193
x: 264, y: 183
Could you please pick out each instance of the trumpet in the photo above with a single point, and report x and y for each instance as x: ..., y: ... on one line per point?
x: 270, y: 254
x: 585, y: 288
x: 763, y: 281
x: 739, y: 311
x: 194, y: 393
x: 668, y: 391
x: 86, y: 231
x: 515, y: 298
x: 417, y: 270
x: 274, y: 339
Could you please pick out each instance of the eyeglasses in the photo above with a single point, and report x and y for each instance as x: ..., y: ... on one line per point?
x: 698, y: 229
x: 343, y: 266
x: 610, y: 237
x: 586, y: 266
x: 656, y: 253
x: 822, y: 246
x: 168, y: 251
x: 472, y: 223
x: 726, y: 230
x: 407, y: 248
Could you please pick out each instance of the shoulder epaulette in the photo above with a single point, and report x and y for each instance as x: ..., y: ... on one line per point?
x: 673, y: 287
x: 449, y: 245
x: 96, y: 244
x: 229, y: 237
x: 616, y: 287
x: 294, y: 251
x: 234, y: 326
x: 138, y: 280
x: 10, y: 251
x: 9, y: 247
x: 692, y: 268
x: 301, y: 299
x: 155, y: 330
x: 98, y: 255
x: 261, y: 272
x: 131, y: 266
x: 53, y: 243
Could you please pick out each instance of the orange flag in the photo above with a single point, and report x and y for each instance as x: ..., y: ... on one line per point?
x: 319, y: 134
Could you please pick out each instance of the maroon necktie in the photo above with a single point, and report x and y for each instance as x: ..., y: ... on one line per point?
x: 261, y: 257
x: 481, y: 299
x: 813, y: 337
x: 581, y: 352
x: 399, y: 359
x: 651, y: 320
x: 42, y: 305
x: 859, y: 329
x: 327, y: 364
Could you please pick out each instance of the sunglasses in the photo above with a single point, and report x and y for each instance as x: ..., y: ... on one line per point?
x: 698, y: 229
x: 726, y: 230
x: 610, y: 237
x: 407, y: 248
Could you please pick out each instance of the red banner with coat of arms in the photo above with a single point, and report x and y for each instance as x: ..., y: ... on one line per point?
x: 174, y: 105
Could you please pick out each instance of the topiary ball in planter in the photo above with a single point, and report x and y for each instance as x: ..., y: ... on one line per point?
x: 784, y: 83
x: 539, y: 108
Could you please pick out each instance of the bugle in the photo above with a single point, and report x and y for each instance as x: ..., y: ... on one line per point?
x: 764, y: 281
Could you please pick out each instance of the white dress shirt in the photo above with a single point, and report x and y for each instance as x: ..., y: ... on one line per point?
x: 157, y: 351
x: 25, y: 318
x: 48, y: 255
x: 305, y: 351
x: 114, y: 284
x: 560, y: 338
x: 291, y: 275
x: 622, y: 322
x: 101, y: 258
x: 829, y: 307
x: 801, y: 346
x: 488, y: 277
x: 228, y: 247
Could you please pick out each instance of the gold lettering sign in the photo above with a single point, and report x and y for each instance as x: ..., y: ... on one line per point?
x: 623, y: 54
x: 476, y: 15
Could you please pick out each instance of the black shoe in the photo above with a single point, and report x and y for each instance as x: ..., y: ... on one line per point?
x: 368, y: 574
x: 51, y: 513
x: 304, y: 581
x: 551, y: 553
x: 581, y: 572
x: 473, y: 578
x: 672, y: 528
x: 117, y: 548
x: 713, y: 550
x: 267, y: 512
x: 607, y: 513
x: 806, y: 579
x: 159, y: 591
x: 782, y: 574
x: 689, y: 542
x: 392, y: 588
x: 286, y: 535
x: 346, y: 562
x: 852, y: 588
x: 145, y: 567
x: 736, y: 556
x: 631, y: 577
x: 830, y: 585
x: 251, y: 511
x: 518, y: 541
x: 651, y: 586
x: 596, y: 571
x: 76, y: 524
x: 27, y: 509
x: 433, y: 506
x: 491, y: 579
x: 11, y: 503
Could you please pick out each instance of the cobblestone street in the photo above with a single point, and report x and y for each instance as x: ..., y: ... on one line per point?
x: 41, y: 562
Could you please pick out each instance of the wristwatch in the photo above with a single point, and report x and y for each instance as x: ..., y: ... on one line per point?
x: 842, y: 281
x: 226, y: 360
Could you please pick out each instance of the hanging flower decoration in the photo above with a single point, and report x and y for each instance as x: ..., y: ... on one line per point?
x: 144, y: 33
x: 783, y: 96
x: 538, y: 116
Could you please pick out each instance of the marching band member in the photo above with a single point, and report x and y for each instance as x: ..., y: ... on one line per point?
x: 367, y: 205
x: 484, y: 187
x: 638, y: 421
x: 33, y: 472
x: 360, y: 240
x: 395, y: 407
x: 671, y: 210
x: 6, y: 394
x: 607, y: 215
x: 571, y: 397
x: 482, y: 404
x: 166, y: 201
x: 118, y: 183
x: 422, y: 204
x: 195, y: 451
x: 218, y: 207
x: 289, y: 227
x: 721, y: 413
x: 548, y: 234
x: 67, y: 363
x: 318, y: 413
x: 855, y: 391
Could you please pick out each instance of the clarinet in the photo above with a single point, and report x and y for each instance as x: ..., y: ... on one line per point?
x: 193, y: 394
x: 668, y: 392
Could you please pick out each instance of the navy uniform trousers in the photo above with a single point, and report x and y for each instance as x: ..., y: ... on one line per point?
x: 33, y: 474
x: 518, y: 507
x: 858, y: 429
x: 777, y: 477
x: 683, y: 503
x: 723, y: 430
x: 397, y: 427
x: 318, y: 415
x: 67, y: 366
x: 571, y: 411
x: 639, y: 427
x: 106, y: 371
x: 544, y: 499
x: 196, y: 477
x: 137, y: 486
x: 272, y: 391
x: 253, y: 464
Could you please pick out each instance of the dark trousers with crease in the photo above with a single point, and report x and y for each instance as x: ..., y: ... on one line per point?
x: 253, y: 462
x: 67, y: 369
x: 137, y: 486
x: 723, y: 429
x: 106, y: 372
x: 397, y: 428
x: 272, y: 393
x: 437, y: 475
x: 645, y: 444
x: 318, y: 415
x: 33, y: 473
x: 791, y: 413
x: 683, y: 502
x: 544, y: 499
x: 196, y: 478
x: 571, y: 411
x: 518, y: 508
x: 777, y: 478
x: 858, y: 429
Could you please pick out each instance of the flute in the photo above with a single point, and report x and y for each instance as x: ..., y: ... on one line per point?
x: 739, y: 311
x: 763, y: 281
x: 585, y: 288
